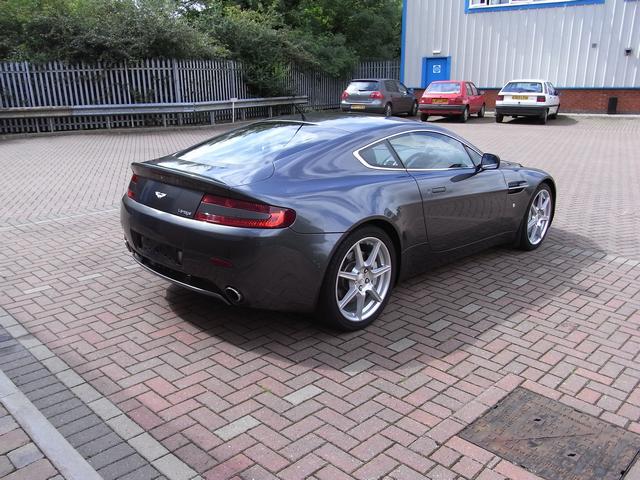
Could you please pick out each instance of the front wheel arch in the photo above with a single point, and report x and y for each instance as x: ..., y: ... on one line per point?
x: 552, y: 186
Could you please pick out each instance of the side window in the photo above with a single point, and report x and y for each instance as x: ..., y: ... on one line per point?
x: 428, y: 150
x: 402, y: 88
x: 469, y: 91
x: 379, y: 155
x: 391, y: 86
x: 552, y: 89
x: 474, y: 89
x: 476, y: 158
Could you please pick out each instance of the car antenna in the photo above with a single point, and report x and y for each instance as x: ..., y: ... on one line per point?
x: 300, y: 111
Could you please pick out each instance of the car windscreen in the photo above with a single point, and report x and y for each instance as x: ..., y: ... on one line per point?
x: 362, y: 86
x: 523, y: 87
x: 254, y: 144
x: 444, y: 87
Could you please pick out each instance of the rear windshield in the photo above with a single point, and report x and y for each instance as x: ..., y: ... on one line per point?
x: 254, y: 144
x: 445, y: 87
x: 523, y: 87
x: 362, y: 86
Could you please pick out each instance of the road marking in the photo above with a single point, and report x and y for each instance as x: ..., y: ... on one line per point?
x: 63, y: 456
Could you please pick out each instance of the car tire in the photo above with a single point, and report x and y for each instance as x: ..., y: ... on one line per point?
x: 528, y: 238
x: 499, y: 118
x: 481, y: 112
x: 388, y: 110
x: 544, y: 117
x: 424, y: 117
x: 414, y: 109
x: 555, y: 115
x: 465, y: 115
x: 373, y: 275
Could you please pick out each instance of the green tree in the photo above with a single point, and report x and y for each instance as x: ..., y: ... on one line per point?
x: 267, y: 36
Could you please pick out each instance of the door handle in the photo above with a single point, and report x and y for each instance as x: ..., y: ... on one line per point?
x: 438, y: 189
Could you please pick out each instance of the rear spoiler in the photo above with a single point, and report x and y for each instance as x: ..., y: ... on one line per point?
x: 187, y: 180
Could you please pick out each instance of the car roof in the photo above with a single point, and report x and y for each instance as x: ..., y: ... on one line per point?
x: 539, y: 80
x: 351, y: 122
x: 451, y: 81
x: 372, y: 79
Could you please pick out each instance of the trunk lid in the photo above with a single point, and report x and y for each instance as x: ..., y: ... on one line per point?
x: 174, y: 199
x: 522, y: 93
x: 359, y: 91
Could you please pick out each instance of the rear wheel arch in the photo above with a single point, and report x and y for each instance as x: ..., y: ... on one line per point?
x: 328, y: 308
x: 383, y: 224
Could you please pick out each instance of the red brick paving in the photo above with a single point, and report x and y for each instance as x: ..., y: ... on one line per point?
x: 211, y: 383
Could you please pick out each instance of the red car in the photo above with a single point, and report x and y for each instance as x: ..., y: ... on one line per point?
x: 451, y: 97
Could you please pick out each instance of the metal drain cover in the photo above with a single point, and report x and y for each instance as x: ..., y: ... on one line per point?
x: 553, y: 440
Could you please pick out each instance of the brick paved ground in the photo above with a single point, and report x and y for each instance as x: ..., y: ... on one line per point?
x: 81, y: 416
x: 263, y: 395
x: 20, y: 458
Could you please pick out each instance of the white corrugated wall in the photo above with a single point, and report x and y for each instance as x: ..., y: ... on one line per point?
x: 490, y: 48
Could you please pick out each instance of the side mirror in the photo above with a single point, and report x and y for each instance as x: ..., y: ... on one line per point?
x: 489, y: 162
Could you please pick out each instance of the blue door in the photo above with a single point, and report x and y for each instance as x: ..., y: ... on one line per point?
x: 435, y: 68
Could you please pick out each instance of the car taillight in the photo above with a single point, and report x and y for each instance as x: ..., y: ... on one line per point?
x: 345, y: 95
x: 132, y: 184
x: 500, y: 97
x: 239, y: 213
x: 376, y: 95
x: 541, y: 99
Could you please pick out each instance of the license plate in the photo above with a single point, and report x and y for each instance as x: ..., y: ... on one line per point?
x: 440, y: 100
x: 520, y: 97
x: 357, y: 107
x: 160, y: 251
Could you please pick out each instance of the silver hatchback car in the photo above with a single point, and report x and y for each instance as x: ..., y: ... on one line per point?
x: 381, y: 95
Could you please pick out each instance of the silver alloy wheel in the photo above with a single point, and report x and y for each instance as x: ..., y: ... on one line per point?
x: 388, y: 110
x: 481, y: 114
x: 539, y: 217
x: 465, y: 114
x: 364, y: 278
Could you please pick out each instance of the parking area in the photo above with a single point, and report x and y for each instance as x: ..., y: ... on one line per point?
x: 220, y: 392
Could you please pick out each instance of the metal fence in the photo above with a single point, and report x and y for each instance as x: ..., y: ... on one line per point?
x: 155, y: 81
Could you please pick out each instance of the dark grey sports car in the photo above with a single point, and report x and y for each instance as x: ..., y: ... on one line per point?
x: 326, y: 214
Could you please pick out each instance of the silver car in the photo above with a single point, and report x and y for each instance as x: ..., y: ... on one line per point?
x: 382, y: 95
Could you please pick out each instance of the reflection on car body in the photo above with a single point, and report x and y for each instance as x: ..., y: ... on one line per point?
x: 326, y: 215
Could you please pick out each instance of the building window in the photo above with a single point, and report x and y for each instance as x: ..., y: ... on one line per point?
x: 493, y: 5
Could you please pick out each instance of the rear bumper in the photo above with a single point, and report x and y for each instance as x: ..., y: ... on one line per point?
x: 275, y: 269
x: 527, y: 111
x: 373, y: 107
x: 434, y: 109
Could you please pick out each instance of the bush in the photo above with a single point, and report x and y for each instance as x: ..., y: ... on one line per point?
x: 106, y: 30
x: 330, y: 36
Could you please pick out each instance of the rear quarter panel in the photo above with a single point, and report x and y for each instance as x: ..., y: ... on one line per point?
x: 332, y: 192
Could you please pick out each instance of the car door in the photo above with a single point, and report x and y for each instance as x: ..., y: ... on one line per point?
x: 461, y: 204
x: 407, y: 98
x: 477, y: 98
x: 393, y: 94
x: 470, y: 98
x: 554, y: 97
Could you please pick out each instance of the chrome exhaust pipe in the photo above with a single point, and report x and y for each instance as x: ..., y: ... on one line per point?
x: 233, y: 295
